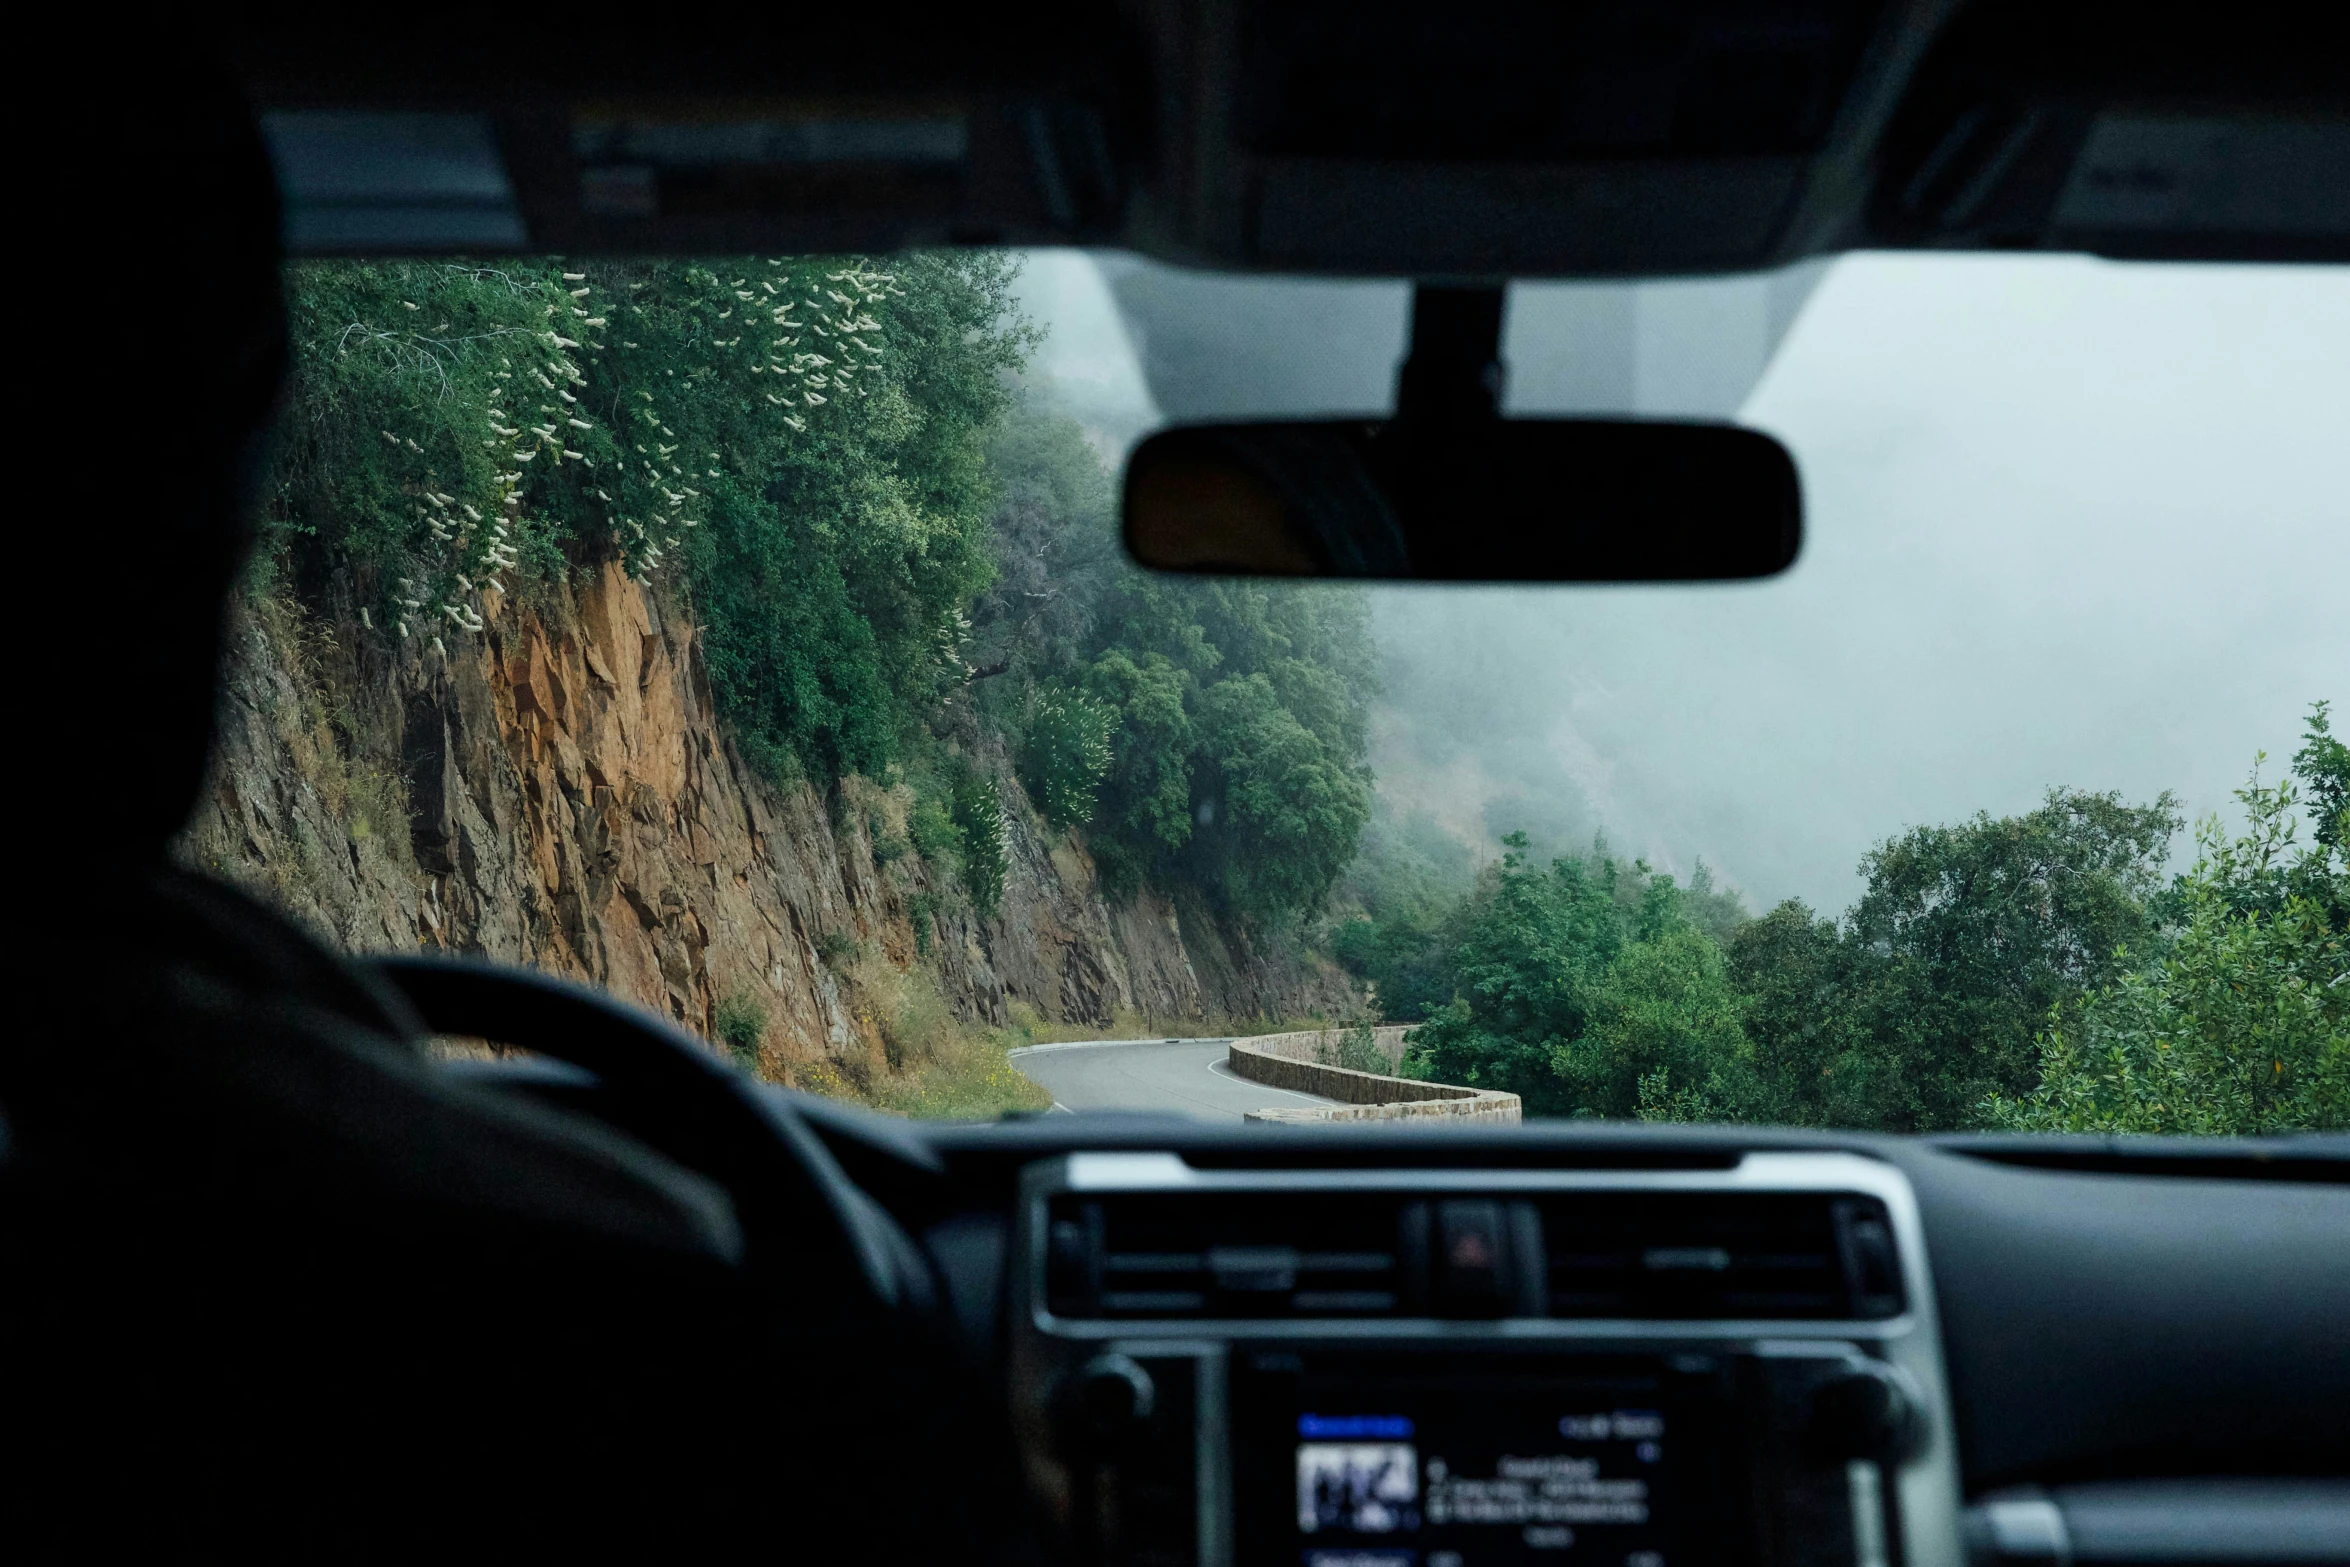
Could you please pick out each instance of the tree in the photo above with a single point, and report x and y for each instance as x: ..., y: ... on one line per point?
x: 1531, y: 949
x: 2323, y: 766
x: 1054, y: 539
x: 833, y: 581
x: 1577, y: 984
x: 1591, y: 991
x: 1406, y: 880
x: 1405, y: 957
x: 2243, y: 1025
x: 1237, y: 727
x: 1279, y: 809
x: 1238, y: 765
x: 1146, y: 814
x: 1669, y: 1028
x: 1965, y: 936
x: 1814, y: 1063
x: 2031, y: 971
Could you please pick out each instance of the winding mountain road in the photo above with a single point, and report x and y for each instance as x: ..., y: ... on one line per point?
x: 1180, y: 1076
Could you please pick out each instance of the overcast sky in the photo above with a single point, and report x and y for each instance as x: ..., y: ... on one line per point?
x: 2068, y: 522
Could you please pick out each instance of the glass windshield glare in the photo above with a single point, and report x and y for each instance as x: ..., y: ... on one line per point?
x: 751, y: 637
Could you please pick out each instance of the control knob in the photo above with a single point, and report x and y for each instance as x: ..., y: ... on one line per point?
x: 1103, y: 1404
x: 1866, y: 1410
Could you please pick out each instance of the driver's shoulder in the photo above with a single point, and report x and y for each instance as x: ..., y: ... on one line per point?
x: 224, y: 1059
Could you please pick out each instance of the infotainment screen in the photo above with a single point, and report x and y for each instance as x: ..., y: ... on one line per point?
x: 1429, y: 1460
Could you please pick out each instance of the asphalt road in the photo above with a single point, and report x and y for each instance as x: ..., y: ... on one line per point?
x: 1182, y: 1076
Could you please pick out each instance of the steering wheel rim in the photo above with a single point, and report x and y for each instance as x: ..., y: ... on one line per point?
x: 851, y: 1325
x: 799, y: 1212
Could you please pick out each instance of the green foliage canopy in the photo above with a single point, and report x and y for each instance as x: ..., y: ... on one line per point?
x: 1966, y: 936
x: 2242, y: 1026
x: 1235, y: 714
x: 1586, y: 991
x: 1240, y: 766
x: 797, y: 445
x: 2030, y: 972
x: 1929, y: 996
x: 813, y: 457
x: 1065, y: 752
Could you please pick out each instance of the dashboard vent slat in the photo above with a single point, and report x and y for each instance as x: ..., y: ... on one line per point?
x: 1156, y: 1303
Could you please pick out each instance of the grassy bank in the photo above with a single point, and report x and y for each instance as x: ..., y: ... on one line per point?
x: 928, y: 1065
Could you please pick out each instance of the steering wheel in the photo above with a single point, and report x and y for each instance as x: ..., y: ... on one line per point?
x: 850, y: 1300
x: 807, y: 1230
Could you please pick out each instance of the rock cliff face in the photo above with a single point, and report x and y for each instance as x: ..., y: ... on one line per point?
x: 556, y: 791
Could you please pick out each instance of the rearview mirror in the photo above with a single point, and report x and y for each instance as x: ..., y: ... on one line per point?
x: 1495, y: 500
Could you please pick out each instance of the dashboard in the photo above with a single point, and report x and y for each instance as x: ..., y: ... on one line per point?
x: 1642, y: 1347
x: 1470, y: 1368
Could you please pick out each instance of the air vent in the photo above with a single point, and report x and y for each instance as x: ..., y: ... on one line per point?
x: 1225, y: 1256
x: 1628, y: 1255
x: 1720, y: 1255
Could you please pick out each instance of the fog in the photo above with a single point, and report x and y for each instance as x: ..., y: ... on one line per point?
x: 2068, y: 523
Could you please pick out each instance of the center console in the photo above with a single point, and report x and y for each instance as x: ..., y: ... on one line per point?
x: 1438, y: 1368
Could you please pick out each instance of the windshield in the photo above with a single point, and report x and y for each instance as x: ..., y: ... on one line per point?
x: 751, y: 638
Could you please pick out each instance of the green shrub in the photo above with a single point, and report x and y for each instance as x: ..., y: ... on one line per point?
x: 1356, y: 1048
x: 2243, y: 1025
x: 1065, y: 753
x: 741, y: 1023
x: 979, y: 824
x: 931, y: 826
x: 921, y: 910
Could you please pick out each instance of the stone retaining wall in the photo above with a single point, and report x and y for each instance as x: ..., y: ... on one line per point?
x: 1289, y: 1061
x: 1485, y: 1107
x: 1313, y: 1044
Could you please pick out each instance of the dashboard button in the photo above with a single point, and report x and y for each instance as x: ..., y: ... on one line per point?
x: 1473, y: 1274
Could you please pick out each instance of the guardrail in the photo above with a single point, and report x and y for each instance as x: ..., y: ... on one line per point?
x: 1302, y: 1063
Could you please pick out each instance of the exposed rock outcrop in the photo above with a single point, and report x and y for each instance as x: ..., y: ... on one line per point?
x: 557, y: 791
